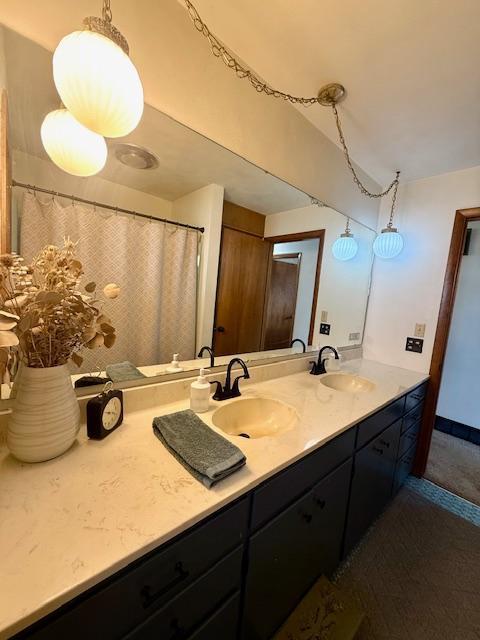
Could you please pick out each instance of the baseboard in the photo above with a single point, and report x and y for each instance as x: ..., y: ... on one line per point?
x: 457, y: 429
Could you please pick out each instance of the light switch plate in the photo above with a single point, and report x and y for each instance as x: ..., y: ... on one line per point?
x: 414, y: 345
x: 324, y: 316
x: 419, y: 330
x: 325, y: 328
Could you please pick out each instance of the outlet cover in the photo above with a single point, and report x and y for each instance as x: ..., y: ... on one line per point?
x: 419, y: 330
x: 354, y: 336
x: 324, y: 316
x: 325, y: 328
x: 414, y: 344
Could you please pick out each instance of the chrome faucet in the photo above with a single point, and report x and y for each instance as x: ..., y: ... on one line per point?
x: 212, y: 355
x: 229, y: 390
x: 319, y: 367
x: 301, y: 342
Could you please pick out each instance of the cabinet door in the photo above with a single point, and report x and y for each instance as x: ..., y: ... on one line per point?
x: 374, y: 469
x: 288, y: 554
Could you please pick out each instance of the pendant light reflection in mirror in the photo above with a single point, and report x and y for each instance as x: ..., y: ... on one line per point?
x: 101, y: 94
x: 345, y: 247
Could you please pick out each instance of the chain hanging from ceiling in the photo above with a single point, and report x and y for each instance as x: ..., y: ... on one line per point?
x: 326, y: 97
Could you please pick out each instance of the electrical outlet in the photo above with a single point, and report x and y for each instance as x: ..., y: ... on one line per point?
x: 354, y: 336
x: 419, y: 330
x: 325, y: 328
x: 324, y: 316
x: 414, y: 344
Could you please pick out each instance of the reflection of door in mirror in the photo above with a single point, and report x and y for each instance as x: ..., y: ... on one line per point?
x: 281, y: 300
x: 240, y: 293
x: 242, y: 278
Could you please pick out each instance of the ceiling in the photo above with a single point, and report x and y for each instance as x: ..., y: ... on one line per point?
x: 187, y: 160
x: 411, y: 70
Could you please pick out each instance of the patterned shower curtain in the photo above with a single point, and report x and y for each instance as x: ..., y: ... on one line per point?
x: 155, y: 265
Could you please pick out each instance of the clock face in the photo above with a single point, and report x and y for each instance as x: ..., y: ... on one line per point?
x: 111, y: 413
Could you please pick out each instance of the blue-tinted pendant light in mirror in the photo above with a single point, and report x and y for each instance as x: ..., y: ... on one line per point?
x: 345, y: 247
x: 389, y: 243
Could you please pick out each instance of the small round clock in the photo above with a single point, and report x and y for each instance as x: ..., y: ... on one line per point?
x: 104, y: 412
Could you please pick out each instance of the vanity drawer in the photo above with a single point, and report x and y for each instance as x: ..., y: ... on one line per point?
x: 222, y: 624
x: 416, y: 396
x: 403, y: 469
x: 412, y: 417
x: 284, y: 488
x: 408, y: 439
x: 373, y: 425
x: 195, y: 606
x: 120, y: 604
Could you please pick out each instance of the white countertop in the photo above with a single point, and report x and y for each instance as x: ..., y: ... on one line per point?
x: 68, y: 523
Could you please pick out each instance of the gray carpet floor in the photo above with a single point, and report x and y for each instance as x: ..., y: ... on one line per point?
x: 454, y: 464
x: 417, y: 574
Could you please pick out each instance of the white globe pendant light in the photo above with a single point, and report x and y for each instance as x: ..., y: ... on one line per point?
x: 389, y: 243
x: 95, y: 78
x: 71, y: 146
x: 345, y: 247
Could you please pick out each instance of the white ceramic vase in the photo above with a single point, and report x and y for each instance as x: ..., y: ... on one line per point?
x: 45, y: 417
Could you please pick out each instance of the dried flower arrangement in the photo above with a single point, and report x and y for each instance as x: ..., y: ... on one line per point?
x: 45, y: 319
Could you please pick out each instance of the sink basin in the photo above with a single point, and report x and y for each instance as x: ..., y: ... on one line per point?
x: 255, y: 418
x: 347, y: 382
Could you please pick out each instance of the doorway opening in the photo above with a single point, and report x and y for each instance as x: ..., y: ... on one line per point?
x: 449, y: 444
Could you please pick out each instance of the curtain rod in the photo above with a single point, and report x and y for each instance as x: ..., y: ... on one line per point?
x: 58, y: 194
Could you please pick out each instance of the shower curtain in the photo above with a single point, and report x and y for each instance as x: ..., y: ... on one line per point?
x: 155, y: 265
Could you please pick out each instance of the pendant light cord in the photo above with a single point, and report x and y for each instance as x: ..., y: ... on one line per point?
x: 107, y: 11
x: 220, y: 51
x: 356, y: 179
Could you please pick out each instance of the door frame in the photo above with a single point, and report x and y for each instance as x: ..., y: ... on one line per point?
x: 462, y: 218
x: 298, y: 237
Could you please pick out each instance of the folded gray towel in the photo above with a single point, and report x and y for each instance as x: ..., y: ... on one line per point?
x: 205, y: 454
x: 122, y: 371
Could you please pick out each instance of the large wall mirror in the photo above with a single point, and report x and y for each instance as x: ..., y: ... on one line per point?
x: 245, y: 266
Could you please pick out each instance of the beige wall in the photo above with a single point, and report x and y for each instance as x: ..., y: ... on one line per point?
x: 344, y: 286
x: 203, y: 208
x: 184, y: 80
x: 408, y: 288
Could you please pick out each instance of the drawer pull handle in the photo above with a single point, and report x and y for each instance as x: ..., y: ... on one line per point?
x: 378, y: 450
x: 149, y: 596
x: 321, y: 503
x: 307, y: 517
x: 385, y: 443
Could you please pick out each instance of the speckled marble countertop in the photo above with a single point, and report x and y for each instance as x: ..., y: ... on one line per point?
x: 68, y: 523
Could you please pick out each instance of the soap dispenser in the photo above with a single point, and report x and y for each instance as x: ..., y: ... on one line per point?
x: 174, y: 365
x: 200, y: 393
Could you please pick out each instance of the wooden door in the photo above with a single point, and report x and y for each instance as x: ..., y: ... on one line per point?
x: 240, y: 293
x: 281, y: 303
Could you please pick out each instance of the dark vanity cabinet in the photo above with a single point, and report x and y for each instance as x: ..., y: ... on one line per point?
x: 288, y: 554
x: 238, y: 574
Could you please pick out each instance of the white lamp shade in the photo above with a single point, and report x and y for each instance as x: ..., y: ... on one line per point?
x: 345, y: 248
x: 71, y: 146
x: 98, y: 83
x: 388, y: 244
